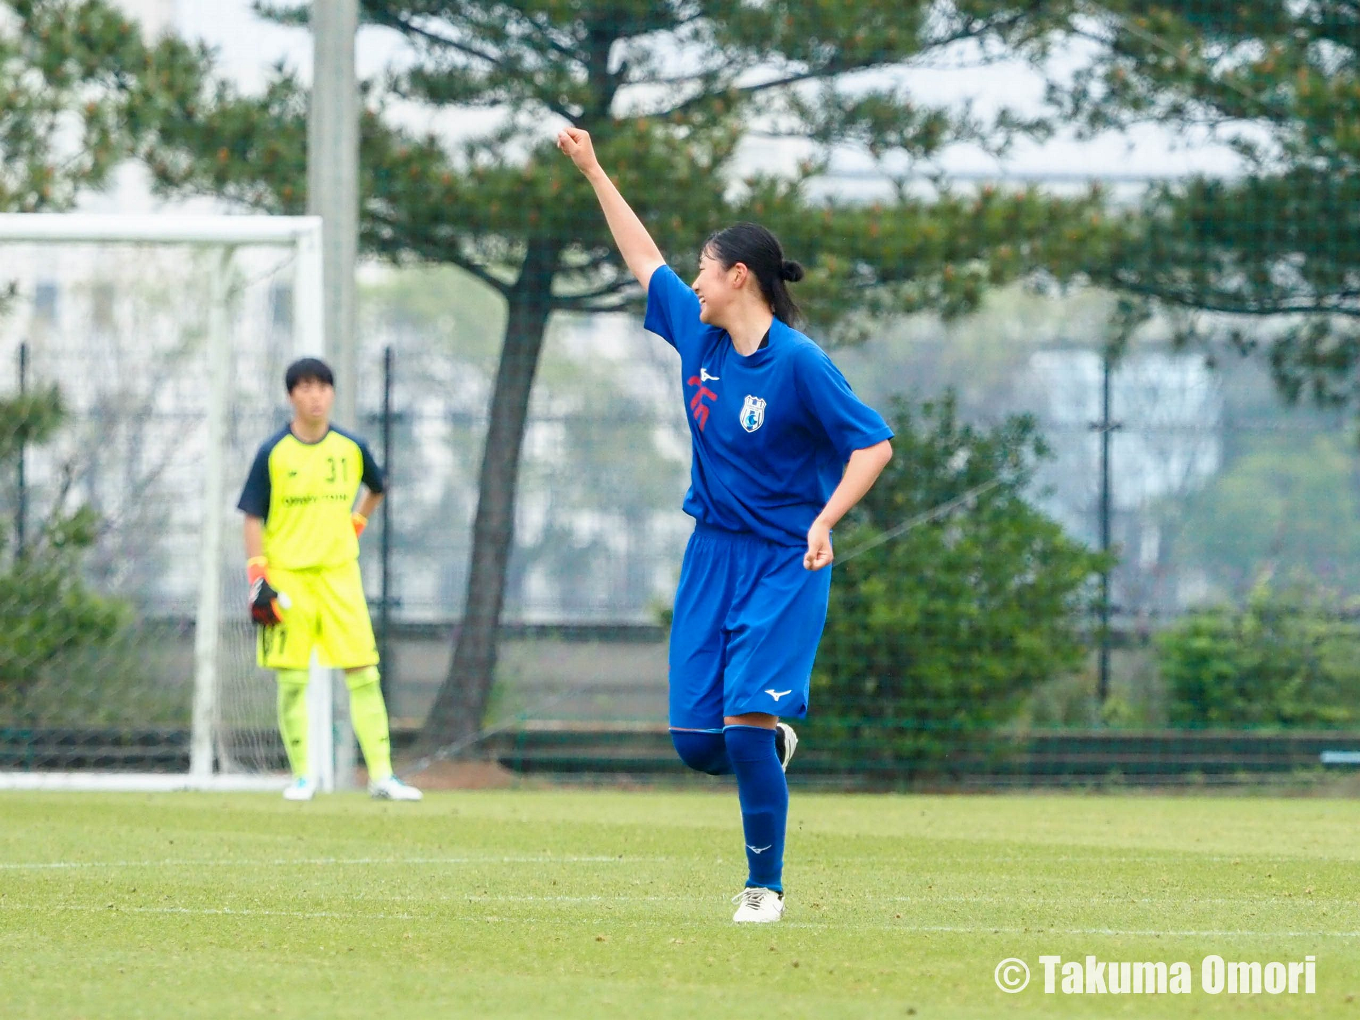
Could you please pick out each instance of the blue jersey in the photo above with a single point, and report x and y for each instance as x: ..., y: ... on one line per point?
x: 771, y: 430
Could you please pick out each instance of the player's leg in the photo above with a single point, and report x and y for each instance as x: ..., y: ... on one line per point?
x: 368, y: 713
x: 764, y: 797
x: 778, y: 620
x: 347, y: 642
x: 703, y: 750
x: 292, y: 710
x: 286, y: 650
x: 697, y: 654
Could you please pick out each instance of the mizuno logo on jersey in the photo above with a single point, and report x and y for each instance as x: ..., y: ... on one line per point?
x: 705, y: 377
x: 776, y: 694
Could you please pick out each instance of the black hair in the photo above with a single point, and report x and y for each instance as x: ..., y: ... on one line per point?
x: 761, y: 252
x: 308, y: 370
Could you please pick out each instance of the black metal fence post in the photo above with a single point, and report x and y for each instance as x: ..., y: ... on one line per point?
x: 21, y: 510
x: 385, y: 548
x: 1105, y: 427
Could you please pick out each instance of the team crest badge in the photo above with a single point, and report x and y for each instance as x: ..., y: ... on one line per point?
x: 752, y: 413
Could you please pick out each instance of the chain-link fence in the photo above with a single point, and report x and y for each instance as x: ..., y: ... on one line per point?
x: 1119, y: 534
x: 1227, y: 511
x: 1210, y: 490
x: 1228, y: 514
x: 104, y: 443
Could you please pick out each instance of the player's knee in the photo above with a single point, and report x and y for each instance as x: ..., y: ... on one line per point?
x: 749, y: 743
x: 361, y: 677
x: 293, y: 678
x: 703, y: 752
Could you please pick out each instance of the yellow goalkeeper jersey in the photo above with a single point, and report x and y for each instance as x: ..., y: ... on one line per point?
x: 305, y: 493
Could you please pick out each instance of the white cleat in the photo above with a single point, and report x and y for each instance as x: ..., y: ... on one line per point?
x: 785, y: 743
x: 301, y: 788
x: 759, y: 905
x: 393, y: 788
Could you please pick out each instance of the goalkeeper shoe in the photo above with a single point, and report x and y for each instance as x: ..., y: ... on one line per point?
x: 785, y: 743
x: 301, y: 788
x: 758, y: 905
x: 393, y: 788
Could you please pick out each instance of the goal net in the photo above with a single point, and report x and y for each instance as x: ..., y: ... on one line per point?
x: 141, y: 365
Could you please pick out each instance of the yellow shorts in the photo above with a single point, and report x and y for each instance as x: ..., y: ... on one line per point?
x: 327, y: 611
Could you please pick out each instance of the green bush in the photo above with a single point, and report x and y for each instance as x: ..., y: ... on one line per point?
x: 47, y: 612
x: 944, y: 630
x: 1286, y: 658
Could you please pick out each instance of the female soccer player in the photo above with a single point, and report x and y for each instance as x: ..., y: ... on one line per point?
x: 782, y: 449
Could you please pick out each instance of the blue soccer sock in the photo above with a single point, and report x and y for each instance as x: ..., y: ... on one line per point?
x: 764, y: 796
x: 702, y: 751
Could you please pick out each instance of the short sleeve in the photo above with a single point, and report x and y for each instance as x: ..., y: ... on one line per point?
x: 849, y: 422
x: 672, y: 305
x: 373, y: 476
x: 255, y: 495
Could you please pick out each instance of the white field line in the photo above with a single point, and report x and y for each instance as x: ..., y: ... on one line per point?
x: 334, y: 915
x: 941, y: 861
x: 669, y: 922
x: 987, y: 929
x: 1167, y: 857
x: 1307, y: 902
x: 318, y: 862
x: 1171, y: 899
x: 925, y: 901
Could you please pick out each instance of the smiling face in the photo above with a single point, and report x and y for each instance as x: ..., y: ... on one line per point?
x: 718, y: 288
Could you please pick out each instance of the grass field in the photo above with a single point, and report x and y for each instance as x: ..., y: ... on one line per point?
x: 575, y: 903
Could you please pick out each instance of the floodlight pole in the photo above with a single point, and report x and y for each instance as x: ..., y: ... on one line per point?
x: 333, y: 182
x: 333, y: 194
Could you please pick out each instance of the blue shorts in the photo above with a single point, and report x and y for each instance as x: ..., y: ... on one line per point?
x: 748, y: 617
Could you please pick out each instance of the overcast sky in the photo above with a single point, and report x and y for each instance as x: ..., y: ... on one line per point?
x: 248, y: 47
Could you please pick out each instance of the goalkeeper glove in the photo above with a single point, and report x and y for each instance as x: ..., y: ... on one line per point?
x: 266, y: 604
x: 360, y: 523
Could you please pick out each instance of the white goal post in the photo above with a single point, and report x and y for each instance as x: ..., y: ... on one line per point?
x: 220, y: 237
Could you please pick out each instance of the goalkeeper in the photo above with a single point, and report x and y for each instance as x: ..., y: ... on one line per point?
x: 302, y: 548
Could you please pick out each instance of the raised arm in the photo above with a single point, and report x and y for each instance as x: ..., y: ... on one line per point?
x: 635, y: 244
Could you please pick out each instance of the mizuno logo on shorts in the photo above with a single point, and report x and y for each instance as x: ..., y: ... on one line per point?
x: 777, y: 694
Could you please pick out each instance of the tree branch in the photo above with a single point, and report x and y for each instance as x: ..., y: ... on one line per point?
x: 577, y: 301
x: 827, y: 70
x: 836, y: 65
x: 678, y: 79
x: 474, y: 269
x: 435, y: 252
x: 1241, y: 307
x: 400, y: 23
x: 590, y: 264
x: 546, y: 35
